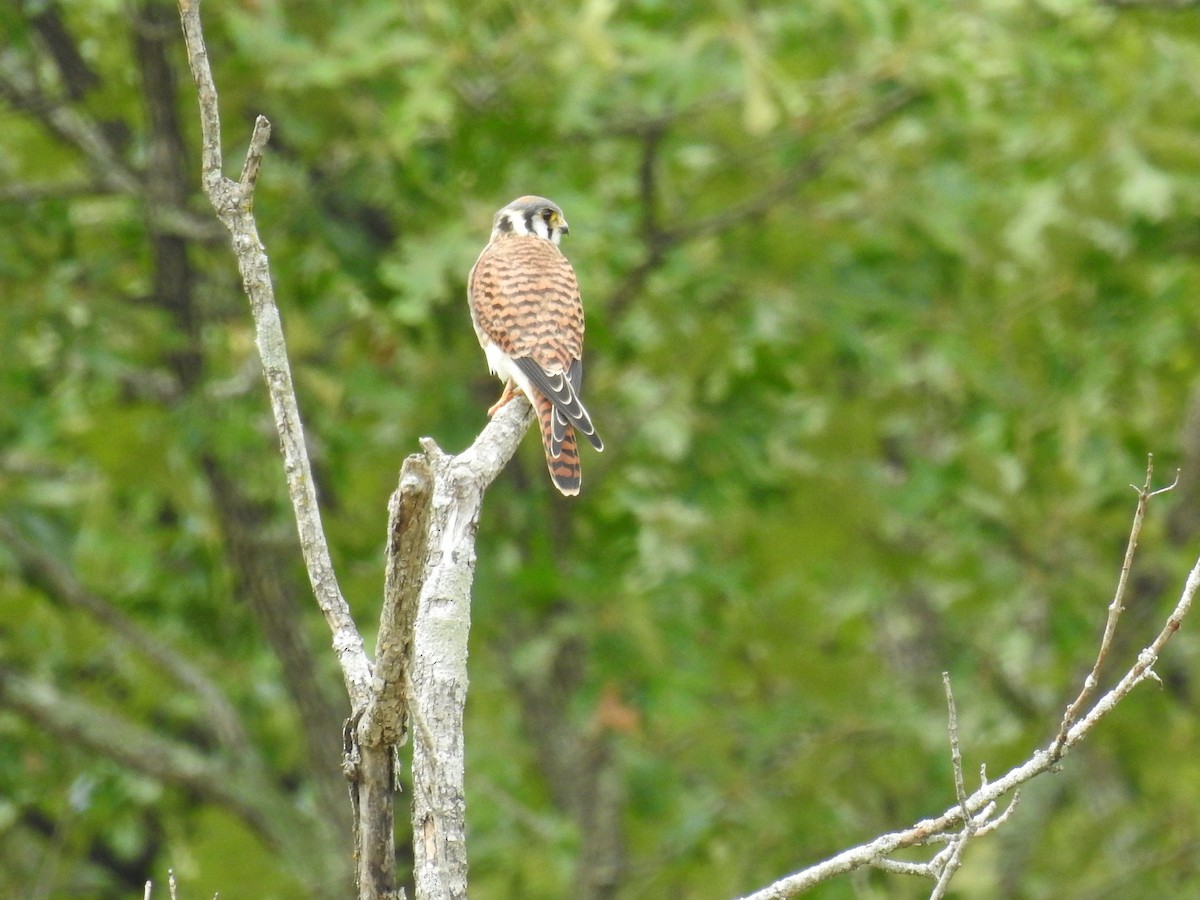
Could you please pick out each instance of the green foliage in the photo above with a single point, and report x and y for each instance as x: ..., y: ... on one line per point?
x: 887, y: 305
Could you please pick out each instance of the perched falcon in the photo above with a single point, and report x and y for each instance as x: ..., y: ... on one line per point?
x: 529, y: 319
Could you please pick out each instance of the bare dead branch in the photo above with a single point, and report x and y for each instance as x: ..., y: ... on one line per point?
x: 436, y: 680
x: 254, y: 155
x: 999, y: 820
x: 947, y: 862
x: 233, y: 202
x: 899, y: 867
x: 977, y: 810
x: 408, y: 534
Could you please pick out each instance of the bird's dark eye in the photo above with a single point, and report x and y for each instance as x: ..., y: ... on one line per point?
x: 547, y: 216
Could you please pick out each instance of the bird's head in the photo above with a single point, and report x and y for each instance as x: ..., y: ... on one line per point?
x: 530, y: 215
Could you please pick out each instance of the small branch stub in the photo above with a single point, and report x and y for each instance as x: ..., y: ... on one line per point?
x: 254, y: 155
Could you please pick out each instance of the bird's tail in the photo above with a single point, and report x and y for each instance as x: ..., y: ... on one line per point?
x: 563, y: 464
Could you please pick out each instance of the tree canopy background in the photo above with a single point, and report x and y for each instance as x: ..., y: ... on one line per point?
x: 887, y: 304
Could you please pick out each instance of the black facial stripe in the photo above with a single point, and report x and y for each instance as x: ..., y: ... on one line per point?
x: 505, y: 224
x: 529, y: 217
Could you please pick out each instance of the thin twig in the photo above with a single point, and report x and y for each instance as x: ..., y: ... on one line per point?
x: 954, y: 856
x: 955, y: 753
x: 899, y: 867
x: 951, y: 866
x: 1115, y: 608
x: 990, y: 826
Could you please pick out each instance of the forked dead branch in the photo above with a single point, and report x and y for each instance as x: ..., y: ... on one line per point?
x: 419, y: 670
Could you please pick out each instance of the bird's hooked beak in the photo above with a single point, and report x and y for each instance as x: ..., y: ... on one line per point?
x: 563, y: 226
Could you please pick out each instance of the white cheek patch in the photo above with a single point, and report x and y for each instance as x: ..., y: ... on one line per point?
x: 518, y: 224
x: 527, y: 225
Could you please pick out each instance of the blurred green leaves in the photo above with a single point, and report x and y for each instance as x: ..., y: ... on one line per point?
x: 887, y: 304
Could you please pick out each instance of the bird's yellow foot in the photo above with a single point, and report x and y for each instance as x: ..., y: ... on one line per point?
x: 510, y: 391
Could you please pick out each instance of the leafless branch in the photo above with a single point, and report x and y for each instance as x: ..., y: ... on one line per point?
x: 976, y: 812
x: 955, y: 752
x: 408, y: 533
x: 233, y: 202
x: 947, y: 863
x: 993, y: 824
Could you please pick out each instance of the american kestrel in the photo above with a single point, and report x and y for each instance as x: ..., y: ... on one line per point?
x: 528, y: 317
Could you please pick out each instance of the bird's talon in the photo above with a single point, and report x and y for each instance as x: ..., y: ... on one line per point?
x: 509, y: 393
